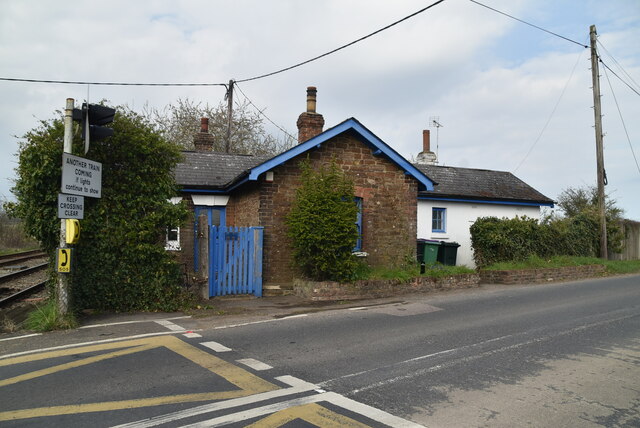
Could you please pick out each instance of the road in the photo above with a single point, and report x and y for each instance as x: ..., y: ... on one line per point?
x: 547, y: 355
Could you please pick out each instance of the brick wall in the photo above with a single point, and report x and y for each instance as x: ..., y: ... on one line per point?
x: 389, y: 202
x: 185, y: 255
x: 536, y: 276
x: 243, y: 207
x: 389, y: 206
x: 333, y: 291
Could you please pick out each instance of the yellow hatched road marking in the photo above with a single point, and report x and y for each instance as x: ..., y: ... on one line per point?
x: 312, y: 413
x: 73, y: 364
x: 247, y: 382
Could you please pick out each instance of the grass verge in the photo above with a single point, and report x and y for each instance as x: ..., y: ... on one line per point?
x: 47, y: 318
x: 614, y: 267
x: 406, y: 273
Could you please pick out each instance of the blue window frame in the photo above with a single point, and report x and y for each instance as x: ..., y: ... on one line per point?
x: 358, y: 202
x: 439, y: 220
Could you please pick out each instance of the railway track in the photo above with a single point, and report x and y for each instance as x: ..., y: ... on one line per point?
x: 22, y: 272
x: 22, y: 294
x: 16, y: 258
x: 21, y: 275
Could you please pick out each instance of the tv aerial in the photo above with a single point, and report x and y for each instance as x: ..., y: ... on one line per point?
x: 434, y: 122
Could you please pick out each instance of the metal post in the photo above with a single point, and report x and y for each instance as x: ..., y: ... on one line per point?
x: 63, y: 279
x: 599, y: 146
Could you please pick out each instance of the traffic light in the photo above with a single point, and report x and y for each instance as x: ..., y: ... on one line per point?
x: 93, y: 117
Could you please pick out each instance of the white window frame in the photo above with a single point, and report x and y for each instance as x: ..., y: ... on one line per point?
x: 172, y: 244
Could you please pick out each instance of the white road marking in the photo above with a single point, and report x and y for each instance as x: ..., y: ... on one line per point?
x: 476, y: 356
x: 130, y: 322
x: 258, y: 322
x: 93, y: 342
x: 168, y: 324
x: 331, y: 397
x: 215, y: 346
x: 296, y: 386
x: 21, y: 337
x: 466, y: 347
x: 191, y: 335
x: 255, y: 364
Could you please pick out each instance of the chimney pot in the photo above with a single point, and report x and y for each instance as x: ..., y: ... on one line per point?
x: 426, y: 140
x: 426, y: 157
x: 311, y: 99
x: 203, y: 141
x: 310, y: 123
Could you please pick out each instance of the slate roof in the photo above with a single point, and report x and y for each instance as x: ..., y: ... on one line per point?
x: 213, y: 170
x: 479, y: 184
x: 222, y: 171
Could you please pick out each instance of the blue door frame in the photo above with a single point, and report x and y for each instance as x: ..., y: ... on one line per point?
x: 216, y: 217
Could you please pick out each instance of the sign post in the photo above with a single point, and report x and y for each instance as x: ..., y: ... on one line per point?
x: 80, y: 177
x: 63, y: 280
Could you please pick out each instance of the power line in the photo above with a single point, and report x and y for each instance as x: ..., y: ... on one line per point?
x: 262, y: 112
x: 618, y: 64
x: 75, y: 82
x: 620, y: 78
x: 530, y: 24
x: 343, y: 46
x: 70, y: 82
x: 544, y: 128
x: 622, y: 119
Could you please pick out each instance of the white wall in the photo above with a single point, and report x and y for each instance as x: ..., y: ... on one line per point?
x: 459, y: 218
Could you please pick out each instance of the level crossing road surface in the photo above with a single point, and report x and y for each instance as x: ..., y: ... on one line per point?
x: 548, y: 355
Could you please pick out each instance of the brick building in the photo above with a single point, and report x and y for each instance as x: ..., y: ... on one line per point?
x: 240, y: 190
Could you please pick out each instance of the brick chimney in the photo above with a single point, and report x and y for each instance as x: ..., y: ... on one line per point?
x: 310, y: 123
x: 203, y: 141
x: 426, y: 156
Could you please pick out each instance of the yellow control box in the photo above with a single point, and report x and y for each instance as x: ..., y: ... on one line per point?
x: 73, y: 231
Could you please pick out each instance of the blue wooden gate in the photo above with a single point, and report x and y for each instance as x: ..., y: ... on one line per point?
x: 235, y: 260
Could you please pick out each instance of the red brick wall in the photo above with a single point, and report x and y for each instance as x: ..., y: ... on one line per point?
x: 370, y: 289
x: 185, y: 255
x: 389, y: 206
x: 533, y: 276
x: 243, y: 207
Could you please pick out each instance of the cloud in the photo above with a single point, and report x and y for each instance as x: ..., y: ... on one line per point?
x: 492, y: 81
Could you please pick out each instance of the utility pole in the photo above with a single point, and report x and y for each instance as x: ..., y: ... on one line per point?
x: 229, y: 96
x: 63, y: 279
x: 599, y: 146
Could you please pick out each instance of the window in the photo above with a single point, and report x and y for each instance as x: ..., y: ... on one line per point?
x: 172, y: 242
x: 358, y: 202
x: 438, y: 220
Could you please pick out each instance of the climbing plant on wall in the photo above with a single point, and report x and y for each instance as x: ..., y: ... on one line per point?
x: 322, y: 223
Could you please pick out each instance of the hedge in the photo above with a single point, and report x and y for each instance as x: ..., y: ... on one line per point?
x: 501, y: 240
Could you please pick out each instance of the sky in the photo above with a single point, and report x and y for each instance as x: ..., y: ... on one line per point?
x: 509, y: 97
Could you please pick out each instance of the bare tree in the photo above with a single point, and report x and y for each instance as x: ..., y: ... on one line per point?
x: 180, y: 121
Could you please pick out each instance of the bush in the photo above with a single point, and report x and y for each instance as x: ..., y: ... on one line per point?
x: 504, y: 240
x: 322, y: 224
x: 120, y: 262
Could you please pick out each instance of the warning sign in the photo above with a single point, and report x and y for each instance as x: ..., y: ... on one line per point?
x: 81, y: 176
